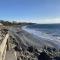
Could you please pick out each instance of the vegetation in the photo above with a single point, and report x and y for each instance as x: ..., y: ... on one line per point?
x: 7, y: 23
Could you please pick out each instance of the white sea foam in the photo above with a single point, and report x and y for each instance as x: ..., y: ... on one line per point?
x: 40, y: 34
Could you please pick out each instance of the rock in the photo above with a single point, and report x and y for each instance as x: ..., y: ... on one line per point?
x: 30, y: 49
x: 57, y: 58
x: 17, y: 48
x: 43, y: 56
x: 19, y: 58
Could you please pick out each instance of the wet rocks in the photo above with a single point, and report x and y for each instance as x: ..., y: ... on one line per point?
x: 43, y: 56
x: 32, y: 53
x: 57, y: 58
x: 30, y: 49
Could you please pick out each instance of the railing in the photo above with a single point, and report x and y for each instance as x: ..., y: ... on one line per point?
x: 3, y: 47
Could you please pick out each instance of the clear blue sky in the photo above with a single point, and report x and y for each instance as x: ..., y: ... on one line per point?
x: 27, y: 9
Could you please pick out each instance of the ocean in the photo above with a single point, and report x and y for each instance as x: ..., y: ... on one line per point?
x: 49, y: 32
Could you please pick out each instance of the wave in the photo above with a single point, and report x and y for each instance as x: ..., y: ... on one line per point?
x: 52, y: 37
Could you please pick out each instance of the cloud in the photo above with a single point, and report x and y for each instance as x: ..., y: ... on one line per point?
x: 41, y: 21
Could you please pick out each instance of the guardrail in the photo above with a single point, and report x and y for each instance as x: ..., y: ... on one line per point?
x: 3, y: 47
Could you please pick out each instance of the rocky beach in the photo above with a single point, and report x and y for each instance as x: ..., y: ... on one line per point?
x: 27, y: 47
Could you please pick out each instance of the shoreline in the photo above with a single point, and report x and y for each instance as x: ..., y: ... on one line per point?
x: 25, y: 44
x: 41, y: 42
x: 26, y: 37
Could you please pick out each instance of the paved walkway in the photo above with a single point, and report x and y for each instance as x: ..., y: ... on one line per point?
x: 10, y: 55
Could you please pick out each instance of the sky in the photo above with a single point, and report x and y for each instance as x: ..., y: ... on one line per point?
x: 36, y: 11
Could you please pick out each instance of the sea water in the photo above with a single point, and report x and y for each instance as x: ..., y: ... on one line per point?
x: 49, y: 32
